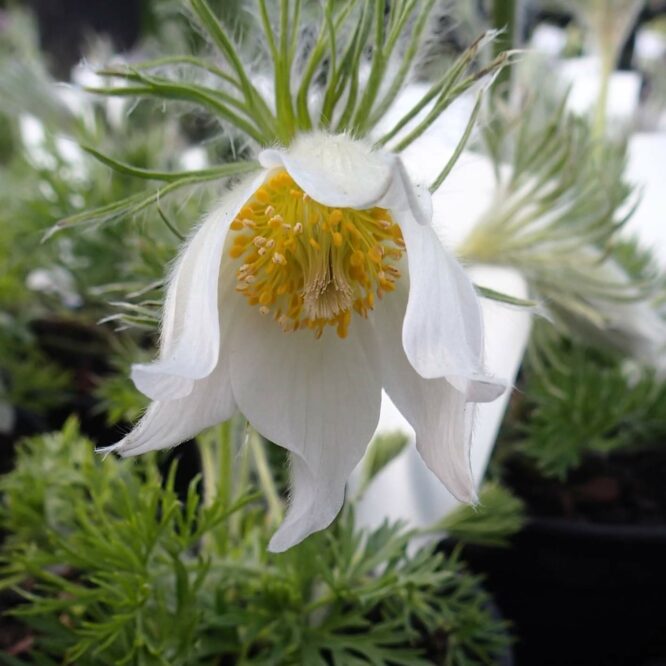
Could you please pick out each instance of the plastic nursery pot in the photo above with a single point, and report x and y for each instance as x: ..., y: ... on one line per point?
x: 580, y: 594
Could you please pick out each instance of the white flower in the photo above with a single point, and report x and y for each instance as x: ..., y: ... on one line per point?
x: 305, y: 291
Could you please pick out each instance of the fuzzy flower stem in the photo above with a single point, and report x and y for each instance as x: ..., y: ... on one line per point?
x: 266, y: 481
x: 217, y: 472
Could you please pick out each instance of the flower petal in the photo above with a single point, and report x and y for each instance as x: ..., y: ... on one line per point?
x: 443, y: 329
x: 319, y: 399
x: 191, y: 324
x: 403, y: 194
x: 438, y: 412
x: 334, y: 170
x: 166, y: 424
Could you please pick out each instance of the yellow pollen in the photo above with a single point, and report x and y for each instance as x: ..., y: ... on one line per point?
x: 375, y: 254
x: 308, y: 265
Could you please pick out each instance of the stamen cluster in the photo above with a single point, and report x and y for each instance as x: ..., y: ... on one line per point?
x: 311, y: 265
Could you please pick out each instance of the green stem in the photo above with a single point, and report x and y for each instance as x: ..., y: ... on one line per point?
x: 216, y: 452
x: 242, y: 476
x: 504, y: 18
x: 607, y: 66
x: 208, y: 471
x: 225, y: 478
x: 265, y: 476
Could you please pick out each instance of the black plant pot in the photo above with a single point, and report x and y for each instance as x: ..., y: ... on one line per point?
x: 581, y: 594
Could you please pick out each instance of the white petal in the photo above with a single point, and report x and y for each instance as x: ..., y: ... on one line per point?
x: 191, y: 323
x: 443, y: 329
x: 319, y: 399
x: 166, y: 424
x: 439, y: 413
x: 334, y: 170
x: 404, y: 195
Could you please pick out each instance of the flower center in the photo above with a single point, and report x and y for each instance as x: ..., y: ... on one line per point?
x: 310, y: 265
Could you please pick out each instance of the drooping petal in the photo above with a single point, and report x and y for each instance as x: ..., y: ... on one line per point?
x: 191, y: 323
x: 167, y: 424
x: 438, y: 412
x: 442, y: 331
x: 319, y: 399
x: 404, y: 194
x: 334, y: 170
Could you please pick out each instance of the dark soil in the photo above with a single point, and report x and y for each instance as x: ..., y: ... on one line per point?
x: 620, y: 489
x: 584, y: 581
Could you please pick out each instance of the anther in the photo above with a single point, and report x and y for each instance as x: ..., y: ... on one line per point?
x: 357, y: 258
x: 262, y: 195
x: 335, y: 217
x: 375, y: 254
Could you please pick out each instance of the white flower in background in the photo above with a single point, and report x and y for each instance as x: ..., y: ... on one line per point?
x: 55, y: 280
x: 633, y: 327
x: 84, y: 75
x: 45, y: 150
x: 307, y: 289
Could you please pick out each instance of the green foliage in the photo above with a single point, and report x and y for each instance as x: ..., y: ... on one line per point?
x: 31, y: 380
x: 580, y: 401
x: 114, y: 567
x: 119, y: 400
x: 307, y: 64
x: 498, y: 516
x: 83, y: 276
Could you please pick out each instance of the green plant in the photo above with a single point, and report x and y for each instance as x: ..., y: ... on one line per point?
x: 578, y: 401
x: 498, y: 516
x: 115, y: 565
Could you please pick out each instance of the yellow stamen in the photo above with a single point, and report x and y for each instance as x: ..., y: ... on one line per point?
x: 308, y: 265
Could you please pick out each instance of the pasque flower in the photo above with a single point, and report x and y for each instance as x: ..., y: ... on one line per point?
x: 309, y: 287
